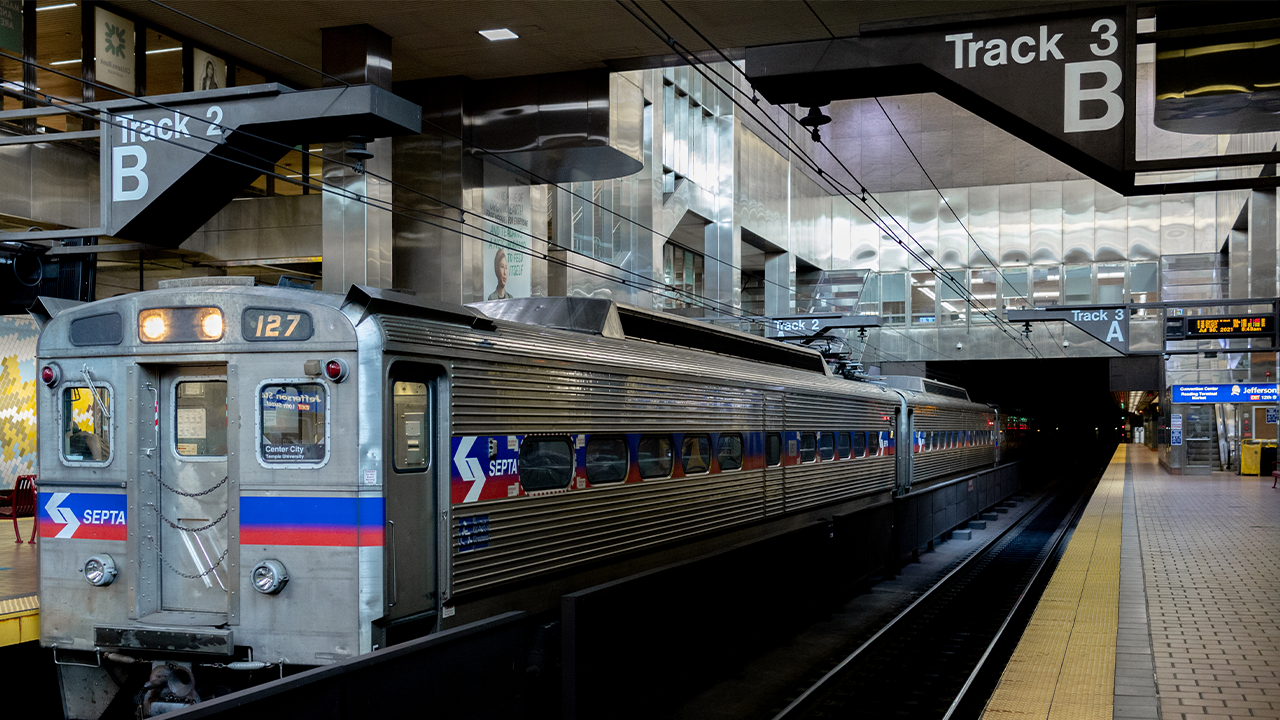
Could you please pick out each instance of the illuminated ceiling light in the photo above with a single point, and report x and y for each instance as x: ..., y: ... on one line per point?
x: 164, y: 50
x: 499, y: 34
x: 64, y: 62
x: 55, y: 7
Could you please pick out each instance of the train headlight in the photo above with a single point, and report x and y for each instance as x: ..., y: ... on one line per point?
x: 100, y: 570
x: 269, y: 577
x: 211, y: 325
x: 154, y: 327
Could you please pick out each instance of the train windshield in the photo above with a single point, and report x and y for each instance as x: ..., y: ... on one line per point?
x: 292, y: 423
x: 86, y: 428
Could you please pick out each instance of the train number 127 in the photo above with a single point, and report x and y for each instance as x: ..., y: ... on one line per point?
x: 272, y: 327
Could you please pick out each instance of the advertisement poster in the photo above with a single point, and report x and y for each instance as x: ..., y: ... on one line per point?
x: 115, y: 50
x: 210, y: 70
x: 11, y: 26
x: 508, y: 219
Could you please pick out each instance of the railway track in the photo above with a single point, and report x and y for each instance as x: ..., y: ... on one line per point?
x: 940, y: 656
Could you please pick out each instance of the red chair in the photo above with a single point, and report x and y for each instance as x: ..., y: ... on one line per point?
x: 22, y: 503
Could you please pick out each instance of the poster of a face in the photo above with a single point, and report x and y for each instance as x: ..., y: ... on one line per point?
x: 507, y: 222
x: 210, y: 70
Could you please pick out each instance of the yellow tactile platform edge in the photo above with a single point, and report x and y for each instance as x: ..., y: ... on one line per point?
x: 19, y: 620
x: 1065, y: 664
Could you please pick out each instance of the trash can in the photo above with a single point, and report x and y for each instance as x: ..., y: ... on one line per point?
x: 1267, y: 463
x: 1251, y: 458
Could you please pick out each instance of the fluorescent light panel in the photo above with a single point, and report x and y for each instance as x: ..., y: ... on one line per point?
x: 164, y: 50
x: 499, y: 34
x: 65, y: 62
x: 55, y: 7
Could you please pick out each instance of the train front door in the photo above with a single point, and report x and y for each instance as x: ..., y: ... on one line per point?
x: 188, y: 505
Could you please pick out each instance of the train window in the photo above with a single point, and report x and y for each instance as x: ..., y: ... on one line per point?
x: 104, y: 329
x: 842, y: 445
x: 827, y: 445
x: 655, y: 455
x: 859, y: 444
x: 293, y: 425
x: 773, y: 449
x: 411, y: 431
x: 729, y: 454
x: 546, y: 463
x: 808, y: 447
x: 695, y: 454
x: 607, y: 459
x: 873, y: 443
x: 86, y: 426
x: 200, y: 418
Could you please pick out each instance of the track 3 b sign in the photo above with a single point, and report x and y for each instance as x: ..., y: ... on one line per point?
x: 1058, y: 80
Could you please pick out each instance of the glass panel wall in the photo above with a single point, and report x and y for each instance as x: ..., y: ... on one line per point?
x: 1046, y: 286
x: 1079, y: 284
x: 923, y: 295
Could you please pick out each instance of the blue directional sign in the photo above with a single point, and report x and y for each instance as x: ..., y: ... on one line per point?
x: 1226, y: 393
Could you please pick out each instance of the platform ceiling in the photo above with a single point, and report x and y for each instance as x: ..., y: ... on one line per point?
x: 437, y: 38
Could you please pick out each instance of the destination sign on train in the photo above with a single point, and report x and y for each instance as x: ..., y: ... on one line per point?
x: 1230, y: 326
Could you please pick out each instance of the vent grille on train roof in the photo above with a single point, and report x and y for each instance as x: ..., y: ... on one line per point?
x: 919, y: 384
x: 598, y: 316
x: 247, y: 280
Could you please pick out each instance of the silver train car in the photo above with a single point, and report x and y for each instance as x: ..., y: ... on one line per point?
x: 244, y: 477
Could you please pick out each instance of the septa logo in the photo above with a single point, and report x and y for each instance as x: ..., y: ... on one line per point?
x: 83, y: 516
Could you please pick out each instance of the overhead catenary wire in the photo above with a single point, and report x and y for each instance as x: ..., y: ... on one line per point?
x: 914, y: 157
x: 944, y: 277
x: 939, y: 272
x: 788, y: 141
x: 643, y: 283
x: 662, y: 289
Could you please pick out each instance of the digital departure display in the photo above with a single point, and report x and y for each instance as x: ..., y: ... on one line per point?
x: 1231, y: 326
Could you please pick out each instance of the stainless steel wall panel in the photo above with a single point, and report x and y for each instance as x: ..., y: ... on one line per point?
x: 1015, y: 224
x: 953, y: 240
x: 1205, y: 217
x: 1078, y: 217
x: 864, y: 236
x: 15, y: 192
x: 1047, y: 236
x: 1111, y: 225
x: 269, y: 227
x: 63, y: 178
x: 893, y: 257
x: 842, y: 247
x: 984, y: 225
x: 1144, y: 231
x: 1177, y: 222
x: 922, y: 222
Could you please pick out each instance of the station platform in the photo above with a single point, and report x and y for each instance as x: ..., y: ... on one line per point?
x: 19, y: 578
x: 1166, y: 604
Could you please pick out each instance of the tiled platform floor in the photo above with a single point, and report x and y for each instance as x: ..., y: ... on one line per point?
x: 19, y: 608
x: 1193, y: 612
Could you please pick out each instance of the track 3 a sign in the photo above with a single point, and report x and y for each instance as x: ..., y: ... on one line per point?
x: 1108, y: 324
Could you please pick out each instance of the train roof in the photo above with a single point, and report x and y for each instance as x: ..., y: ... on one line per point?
x: 598, y: 316
x: 645, y: 339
